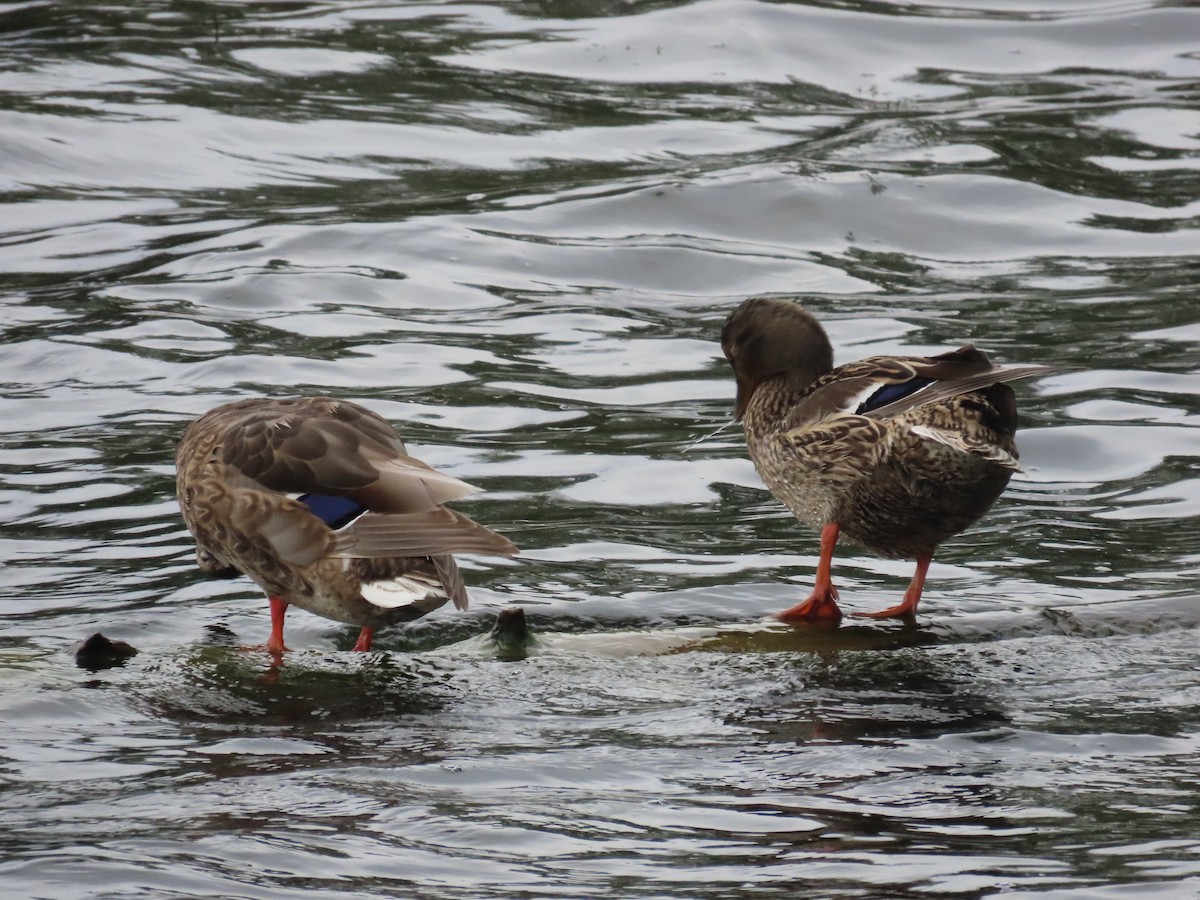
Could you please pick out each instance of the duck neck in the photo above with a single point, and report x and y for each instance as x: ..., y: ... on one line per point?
x: 773, y: 401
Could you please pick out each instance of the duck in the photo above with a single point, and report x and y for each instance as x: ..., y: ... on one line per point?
x: 318, y: 501
x: 892, y: 453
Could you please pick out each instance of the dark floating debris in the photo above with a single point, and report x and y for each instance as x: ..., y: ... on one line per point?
x: 98, y: 652
x: 511, y: 633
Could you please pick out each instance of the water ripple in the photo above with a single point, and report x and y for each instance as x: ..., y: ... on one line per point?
x: 515, y: 231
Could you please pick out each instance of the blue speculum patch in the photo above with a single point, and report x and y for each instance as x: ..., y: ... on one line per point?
x: 890, y: 393
x: 336, y: 512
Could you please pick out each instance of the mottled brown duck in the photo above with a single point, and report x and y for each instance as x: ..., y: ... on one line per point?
x: 893, y: 453
x: 319, y: 503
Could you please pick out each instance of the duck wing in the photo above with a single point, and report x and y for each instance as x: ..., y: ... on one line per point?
x: 327, y: 447
x: 882, y: 387
x: 314, y: 477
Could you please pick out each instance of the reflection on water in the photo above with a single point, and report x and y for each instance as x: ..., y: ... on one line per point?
x: 515, y: 230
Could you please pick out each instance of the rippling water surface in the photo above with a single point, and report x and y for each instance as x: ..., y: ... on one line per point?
x: 515, y: 229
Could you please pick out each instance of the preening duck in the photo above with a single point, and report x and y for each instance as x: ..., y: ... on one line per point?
x: 894, y: 453
x: 319, y: 503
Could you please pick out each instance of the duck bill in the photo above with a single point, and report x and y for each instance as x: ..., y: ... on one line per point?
x: 745, y: 390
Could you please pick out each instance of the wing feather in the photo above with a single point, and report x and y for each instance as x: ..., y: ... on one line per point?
x: 452, y: 580
x: 847, y: 388
x: 431, y: 533
x: 320, y: 446
x: 944, y: 390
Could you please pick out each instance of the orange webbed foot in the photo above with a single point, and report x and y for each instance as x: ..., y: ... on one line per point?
x: 905, y: 610
x: 819, y: 608
x: 275, y: 651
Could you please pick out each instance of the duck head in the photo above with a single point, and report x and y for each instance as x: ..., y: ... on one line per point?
x: 767, y: 337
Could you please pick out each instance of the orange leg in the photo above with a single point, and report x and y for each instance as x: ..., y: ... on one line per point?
x: 821, y: 605
x: 907, y: 608
x: 363, y: 644
x: 275, y: 644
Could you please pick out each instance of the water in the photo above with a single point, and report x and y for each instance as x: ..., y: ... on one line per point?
x: 515, y: 229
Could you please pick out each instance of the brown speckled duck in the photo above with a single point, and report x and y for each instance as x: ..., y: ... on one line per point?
x: 319, y: 503
x: 894, y: 453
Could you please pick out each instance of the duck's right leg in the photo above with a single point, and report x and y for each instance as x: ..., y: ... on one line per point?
x: 821, y: 604
x: 275, y: 645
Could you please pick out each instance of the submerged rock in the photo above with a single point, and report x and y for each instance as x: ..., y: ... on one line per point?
x: 98, y: 652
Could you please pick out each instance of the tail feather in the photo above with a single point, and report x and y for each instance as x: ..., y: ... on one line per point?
x: 957, y: 441
x: 420, y: 595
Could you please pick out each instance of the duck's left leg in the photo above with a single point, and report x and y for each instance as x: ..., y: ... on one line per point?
x: 906, y: 608
x: 363, y: 644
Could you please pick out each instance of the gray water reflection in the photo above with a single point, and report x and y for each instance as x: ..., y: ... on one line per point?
x: 515, y: 230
